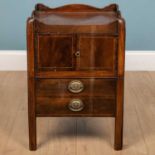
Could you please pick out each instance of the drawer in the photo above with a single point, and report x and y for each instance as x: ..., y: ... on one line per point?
x: 90, y: 88
x: 88, y: 106
x: 62, y: 106
x: 53, y: 97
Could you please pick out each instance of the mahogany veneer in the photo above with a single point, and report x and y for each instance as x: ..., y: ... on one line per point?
x: 76, y: 64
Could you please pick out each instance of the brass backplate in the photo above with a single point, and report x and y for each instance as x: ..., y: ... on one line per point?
x: 76, y: 105
x: 75, y: 86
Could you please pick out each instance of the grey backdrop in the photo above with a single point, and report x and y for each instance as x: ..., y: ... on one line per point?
x: 139, y: 15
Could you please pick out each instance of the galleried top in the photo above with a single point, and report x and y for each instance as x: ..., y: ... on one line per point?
x: 76, y: 18
x: 77, y: 8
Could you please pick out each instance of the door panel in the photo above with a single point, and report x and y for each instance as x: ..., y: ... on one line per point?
x: 97, y: 52
x: 55, y: 52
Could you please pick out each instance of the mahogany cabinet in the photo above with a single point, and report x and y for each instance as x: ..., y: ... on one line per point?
x: 76, y: 64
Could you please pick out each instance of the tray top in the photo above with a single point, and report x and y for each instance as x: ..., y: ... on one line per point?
x: 80, y: 18
x: 76, y: 18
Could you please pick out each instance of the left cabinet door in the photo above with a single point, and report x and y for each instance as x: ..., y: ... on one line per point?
x: 54, y: 52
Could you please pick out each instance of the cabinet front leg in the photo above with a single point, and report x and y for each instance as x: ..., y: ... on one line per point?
x: 32, y: 133
x: 119, y: 115
x: 31, y: 84
x: 32, y: 115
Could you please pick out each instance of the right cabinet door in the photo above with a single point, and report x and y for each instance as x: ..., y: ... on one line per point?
x: 97, y: 52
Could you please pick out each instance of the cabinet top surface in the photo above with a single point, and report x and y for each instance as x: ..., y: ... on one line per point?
x: 76, y: 18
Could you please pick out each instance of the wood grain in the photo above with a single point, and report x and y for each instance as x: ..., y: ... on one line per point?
x: 97, y: 52
x: 55, y: 52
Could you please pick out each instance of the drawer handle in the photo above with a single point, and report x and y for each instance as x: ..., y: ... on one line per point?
x: 75, y: 86
x: 76, y: 105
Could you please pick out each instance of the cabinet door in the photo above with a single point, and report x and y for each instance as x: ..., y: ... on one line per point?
x: 55, y: 52
x: 97, y: 52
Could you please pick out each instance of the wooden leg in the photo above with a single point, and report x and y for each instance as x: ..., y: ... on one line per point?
x: 32, y: 133
x: 119, y: 115
x: 32, y: 115
x: 31, y: 84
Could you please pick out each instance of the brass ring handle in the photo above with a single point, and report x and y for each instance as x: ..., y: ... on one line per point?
x: 76, y: 105
x: 75, y: 86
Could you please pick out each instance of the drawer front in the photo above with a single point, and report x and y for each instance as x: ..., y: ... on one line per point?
x: 62, y: 106
x: 102, y: 106
x: 91, y: 87
x: 97, y: 97
x: 91, y: 106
